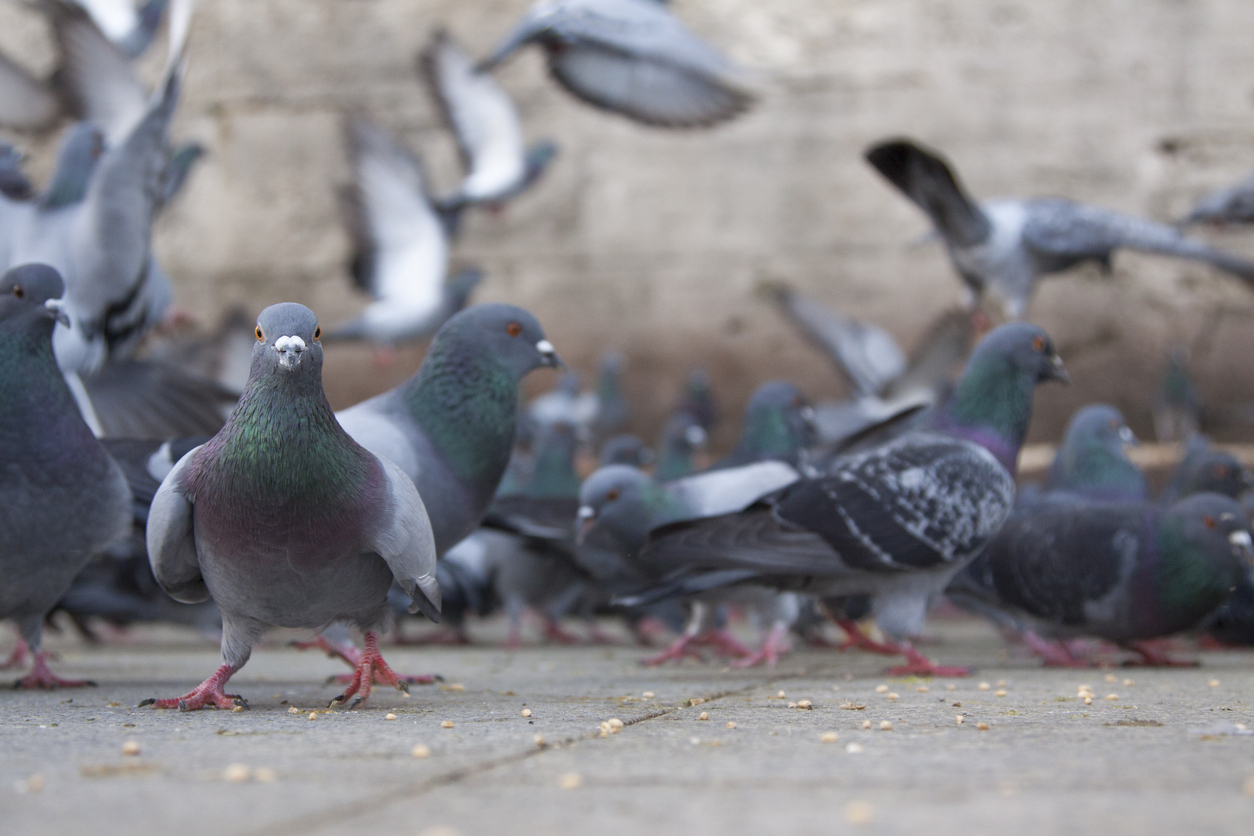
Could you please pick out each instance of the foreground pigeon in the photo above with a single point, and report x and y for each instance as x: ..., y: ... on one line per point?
x: 483, y: 118
x: 1001, y: 247
x: 1126, y: 572
x: 895, y: 522
x: 401, y: 245
x: 62, y: 499
x: 285, y: 520
x: 632, y: 57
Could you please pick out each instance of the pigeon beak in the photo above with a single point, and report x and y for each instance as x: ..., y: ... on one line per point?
x: 1241, y: 546
x: 1057, y: 370
x: 56, y: 309
x: 586, y: 518
x: 548, y: 357
x: 290, y: 351
x: 695, y: 436
x: 1128, y: 437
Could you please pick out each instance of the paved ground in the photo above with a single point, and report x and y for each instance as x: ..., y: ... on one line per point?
x: 1170, y: 754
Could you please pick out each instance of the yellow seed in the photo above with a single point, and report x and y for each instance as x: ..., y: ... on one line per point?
x: 1214, y: 683
x: 780, y: 695
x: 886, y: 725
x: 1088, y: 700
x: 570, y: 781
x: 1112, y: 696
x: 1000, y: 692
x: 390, y: 717
x: 730, y: 725
x: 958, y: 719
x: 704, y: 715
x: 859, y: 813
x: 1001, y: 683
x: 881, y: 689
x: 293, y: 710
x: 420, y: 750
x: 1110, y: 677
x: 616, y: 723
x: 452, y: 686
x: 982, y: 726
x: 526, y: 712
x: 866, y: 724
x: 237, y: 773
x: 313, y: 715
x: 236, y: 709
x: 805, y: 704
x: 699, y: 700
x: 447, y: 724
x: 130, y: 747
x: 539, y: 741
x: 1086, y: 688
x: 648, y: 695
x: 984, y: 686
x: 792, y: 705
x: 853, y: 748
x: 922, y: 689
x: 266, y: 775
x: 1128, y: 683
x: 951, y: 687
x: 829, y: 737
x: 892, y: 696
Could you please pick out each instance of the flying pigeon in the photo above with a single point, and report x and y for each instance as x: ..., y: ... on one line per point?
x: 285, y: 520
x: 483, y: 118
x: 632, y: 57
x: 63, y: 501
x: 1001, y: 247
x: 895, y: 522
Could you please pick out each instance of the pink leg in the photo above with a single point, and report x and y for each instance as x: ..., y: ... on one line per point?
x: 859, y: 639
x: 723, y: 642
x: 18, y: 657
x: 370, y: 670
x: 676, y: 651
x: 41, y: 677
x: 384, y: 356
x: 207, y: 693
x: 775, y: 644
x: 919, y: 665
x: 645, y: 629
x: 1154, y: 654
x: 598, y: 636
x: 554, y: 632
x: 1055, y: 654
x: 334, y: 650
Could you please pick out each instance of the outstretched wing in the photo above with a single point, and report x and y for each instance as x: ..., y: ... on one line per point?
x: 926, y: 179
x: 97, y: 77
x: 26, y: 104
x: 171, y: 539
x: 403, y: 538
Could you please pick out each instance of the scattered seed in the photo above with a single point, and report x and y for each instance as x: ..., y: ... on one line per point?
x: 730, y: 725
x: 130, y: 747
x: 951, y: 687
x: 539, y: 741
x: 780, y: 695
x: 881, y: 689
x: 984, y: 686
x: 853, y: 748
x: 1110, y: 677
x: 526, y: 712
x: 866, y: 724
x: 1214, y: 683
x: 237, y: 708
x: 852, y: 706
x: 390, y: 717
x: 982, y: 726
x: 1088, y: 700
x: 957, y: 705
x: 313, y: 715
x: 1000, y: 692
x: 1127, y: 683
x: 615, y: 724
x: 421, y: 750
x: 959, y: 720
x: 704, y: 715
x: 805, y: 705
x: 922, y: 689
x: 1001, y: 683
x: 447, y: 724
x: 452, y: 686
x: 1112, y: 697
x: 570, y: 781
x: 265, y: 775
x: 699, y: 700
x: 792, y: 705
x: 891, y: 695
x: 293, y: 710
x: 236, y: 773
x: 835, y: 687
x: 648, y: 695
x: 886, y: 725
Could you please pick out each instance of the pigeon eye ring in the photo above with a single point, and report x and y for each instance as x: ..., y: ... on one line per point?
x: 19, y: 291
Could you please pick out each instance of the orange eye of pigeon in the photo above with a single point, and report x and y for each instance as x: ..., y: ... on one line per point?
x: 513, y: 329
x: 1114, y: 425
x: 1038, y: 343
x: 611, y: 496
x: 317, y: 332
x: 1208, y: 521
x: 19, y: 291
x: 260, y: 337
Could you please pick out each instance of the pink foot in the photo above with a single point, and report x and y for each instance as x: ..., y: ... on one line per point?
x: 859, y: 639
x: 597, y: 636
x: 723, y: 642
x: 1056, y: 654
x: 208, y: 693
x: 677, y: 651
x: 347, y: 652
x: 371, y: 670
x: 775, y: 644
x: 919, y: 665
x: 41, y: 677
x: 646, y: 629
x: 1154, y: 654
x: 554, y: 632
x: 17, y: 658
x: 384, y: 356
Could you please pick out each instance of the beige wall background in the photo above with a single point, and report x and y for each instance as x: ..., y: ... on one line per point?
x: 652, y: 242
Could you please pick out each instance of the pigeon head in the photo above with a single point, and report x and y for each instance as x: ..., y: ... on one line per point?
x: 1205, y: 549
x: 683, y: 438
x: 1217, y: 472
x: 288, y: 342
x: 626, y: 449
x: 779, y: 424
x: 80, y: 151
x: 617, y: 500
x: 992, y: 401
x: 31, y: 294
x: 1093, y: 459
x: 505, y: 334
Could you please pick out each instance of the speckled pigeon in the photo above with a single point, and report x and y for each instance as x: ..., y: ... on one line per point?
x: 286, y: 521
x: 62, y: 499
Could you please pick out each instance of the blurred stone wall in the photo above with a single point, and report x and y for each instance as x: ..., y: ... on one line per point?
x: 653, y: 242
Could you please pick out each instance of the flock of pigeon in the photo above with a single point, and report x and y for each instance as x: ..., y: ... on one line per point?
x: 230, y: 496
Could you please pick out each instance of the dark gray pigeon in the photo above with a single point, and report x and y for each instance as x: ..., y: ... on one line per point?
x: 1092, y: 460
x: 63, y: 501
x: 895, y: 522
x: 632, y: 57
x: 285, y: 520
x: 1001, y: 247
x: 778, y: 426
x: 485, y: 122
x: 1229, y: 205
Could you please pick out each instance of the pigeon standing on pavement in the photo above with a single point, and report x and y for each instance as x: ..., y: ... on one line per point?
x: 1001, y: 247
x: 778, y: 425
x: 632, y: 57
x: 1092, y: 460
x: 683, y: 439
x: 286, y: 521
x: 62, y: 499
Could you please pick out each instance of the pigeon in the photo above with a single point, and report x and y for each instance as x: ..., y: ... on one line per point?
x: 698, y: 399
x: 285, y: 520
x: 1126, y: 572
x: 483, y: 118
x: 1230, y: 205
x: 778, y: 425
x: 63, y: 500
x: 683, y: 440
x: 625, y: 449
x: 896, y: 521
x: 13, y: 182
x: 597, y: 414
x: 1092, y: 461
x: 402, y: 246
x: 1001, y: 247
x: 1177, y: 409
x: 1204, y: 470
x: 1232, y: 625
x: 632, y: 57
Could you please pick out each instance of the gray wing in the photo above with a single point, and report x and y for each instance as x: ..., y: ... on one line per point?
x: 1231, y: 204
x: 172, y: 541
x: 98, y: 78
x: 633, y: 57
x: 130, y: 28
x: 404, y: 539
x: 154, y: 400
x: 1062, y: 231
x: 867, y: 353
x: 933, y: 362
x: 730, y: 490
x: 925, y: 178
x: 26, y: 104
